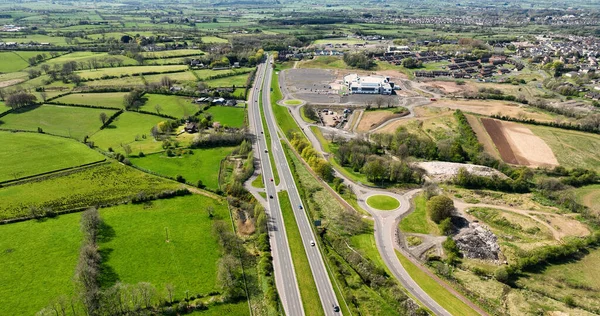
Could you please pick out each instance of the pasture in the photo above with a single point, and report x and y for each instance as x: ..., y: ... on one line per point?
x: 226, y: 82
x: 172, y: 53
x: 206, y: 73
x: 141, y: 252
x: 27, y: 154
x: 108, y: 99
x: 121, y: 71
x: 131, y: 129
x: 74, y: 122
x: 38, y: 260
x: 172, y: 105
x: 101, y: 58
x: 11, y: 62
x: 106, y: 183
x: 228, y: 115
x: 213, y: 39
x: 202, y: 164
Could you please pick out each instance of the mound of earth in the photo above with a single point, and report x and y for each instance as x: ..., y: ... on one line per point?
x: 478, y: 242
x: 441, y: 171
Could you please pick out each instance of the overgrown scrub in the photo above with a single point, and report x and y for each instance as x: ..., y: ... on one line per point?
x: 312, y: 157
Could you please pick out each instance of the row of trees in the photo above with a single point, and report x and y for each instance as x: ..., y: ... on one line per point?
x: 312, y: 157
x: 20, y: 99
x: 359, y: 60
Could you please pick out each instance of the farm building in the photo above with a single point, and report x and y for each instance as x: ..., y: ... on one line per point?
x: 368, y: 84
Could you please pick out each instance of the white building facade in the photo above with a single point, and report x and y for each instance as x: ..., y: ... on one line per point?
x: 368, y: 84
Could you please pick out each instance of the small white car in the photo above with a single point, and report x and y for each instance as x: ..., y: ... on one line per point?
x: 312, y: 243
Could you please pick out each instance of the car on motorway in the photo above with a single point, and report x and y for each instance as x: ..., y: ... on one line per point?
x: 336, y: 308
x: 270, y: 196
x: 261, y: 132
x: 300, y: 206
x: 312, y: 243
x: 266, y: 151
x: 271, y: 179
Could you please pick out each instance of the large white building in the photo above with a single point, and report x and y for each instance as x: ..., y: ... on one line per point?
x: 368, y: 84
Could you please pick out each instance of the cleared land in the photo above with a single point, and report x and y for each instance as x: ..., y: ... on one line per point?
x: 482, y: 136
x: 141, y: 252
x: 67, y: 121
x: 383, y: 202
x: 107, y: 183
x: 108, y: 99
x: 38, y: 260
x: 228, y: 115
x: 173, y: 105
x: 517, y: 144
x: 130, y: 129
x: 492, y: 107
x: 27, y: 154
x: 572, y: 149
x: 200, y: 165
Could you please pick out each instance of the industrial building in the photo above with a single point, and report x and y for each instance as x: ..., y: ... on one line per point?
x: 368, y: 84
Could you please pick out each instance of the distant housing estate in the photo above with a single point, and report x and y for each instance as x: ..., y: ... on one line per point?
x: 368, y: 85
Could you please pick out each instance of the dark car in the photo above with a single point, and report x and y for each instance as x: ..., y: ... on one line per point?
x: 270, y: 196
x: 336, y: 309
x: 300, y: 206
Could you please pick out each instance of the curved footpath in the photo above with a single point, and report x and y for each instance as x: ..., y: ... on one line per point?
x: 386, y: 223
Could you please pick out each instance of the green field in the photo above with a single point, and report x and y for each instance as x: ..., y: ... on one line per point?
x: 11, y: 61
x: 173, y: 105
x: 203, y: 165
x: 107, y: 183
x: 383, y: 202
x: 119, y: 71
x: 213, y: 39
x: 572, y: 149
x: 130, y: 128
x: 140, y: 252
x: 206, y: 73
x: 102, y: 58
x: 228, y: 115
x: 226, y: 82
x: 38, y: 260
x: 292, y: 102
x: 440, y: 294
x: 418, y: 221
x: 118, y: 82
x: 172, y: 53
x: 308, y: 289
x: 589, y: 196
x: 74, y: 122
x: 108, y: 99
x: 282, y: 115
x: 27, y: 154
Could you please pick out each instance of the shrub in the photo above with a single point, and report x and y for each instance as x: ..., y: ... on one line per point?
x: 439, y: 208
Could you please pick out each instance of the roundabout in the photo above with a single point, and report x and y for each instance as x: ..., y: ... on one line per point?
x: 383, y: 202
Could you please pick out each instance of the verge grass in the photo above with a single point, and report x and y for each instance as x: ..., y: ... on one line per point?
x: 308, y: 289
x: 440, y: 294
x: 38, y: 260
x: 383, y: 202
x: 27, y: 154
x: 202, y: 164
x: 74, y: 122
x: 228, y: 115
x: 108, y: 99
x: 103, y: 184
x: 418, y: 221
x: 141, y: 252
x: 258, y: 182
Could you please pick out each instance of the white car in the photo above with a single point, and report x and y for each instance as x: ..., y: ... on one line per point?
x: 312, y: 243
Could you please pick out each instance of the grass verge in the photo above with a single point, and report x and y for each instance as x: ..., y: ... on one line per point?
x: 417, y: 221
x: 258, y: 182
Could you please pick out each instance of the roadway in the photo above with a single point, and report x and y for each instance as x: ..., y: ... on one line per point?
x: 285, y: 276
x: 317, y: 265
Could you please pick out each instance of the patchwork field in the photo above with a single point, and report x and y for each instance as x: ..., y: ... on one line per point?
x: 11, y: 61
x: 202, y: 165
x: 140, y: 251
x: 172, y: 53
x: 74, y: 122
x: 129, y: 129
x: 107, y: 183
x: 518, y: 145
x: 108, y: 99
x: 27, y: 154
x: 228, y: 115
x: 37, y: 255
x: 237, y: 81
x: 572, y: 149
x: 176, y: 106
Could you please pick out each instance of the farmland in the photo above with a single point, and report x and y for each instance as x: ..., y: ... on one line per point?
x: 228, y: 116
x: 108, y: 99
x: 122, y: 71
x: 232, y: 81
x: 176, y: 106
x: 37, y: 255
x: 194, y: 166
x: 141, y: 252
x: 12, y: 61
x: 104, y: 184
x: 129, y: 129
x: 66, y: 121
x: 572, y: 149
x: 28, y: 154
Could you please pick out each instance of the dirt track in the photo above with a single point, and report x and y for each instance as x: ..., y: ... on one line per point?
x: 494, y: 129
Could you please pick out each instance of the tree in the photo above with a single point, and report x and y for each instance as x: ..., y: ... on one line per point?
x: 229, y: 278
x: 20, y: 99
x: 133, y: 99
x: 439, y: 208
x: 126, y: 149
x: 411, y: 63
x: 158, y: 108
x: 44, y: 96
x: 166, y: 82
x: 211, y: 211
x: 103, y: 118
x: 379, y: 101
x: 45, y: 68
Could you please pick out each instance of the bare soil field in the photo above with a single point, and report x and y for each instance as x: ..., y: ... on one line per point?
x: 518, y: 145
x: 451, y: 87
x: 482, y: 136
x: 491, y: 107
x: 565, y: 225
x: 372, y: 119
x: 8, y: 83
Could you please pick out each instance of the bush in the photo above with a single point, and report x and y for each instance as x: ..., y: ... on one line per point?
x: 439, y: 208
x: 446, y: 226
x: 180, y: 178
